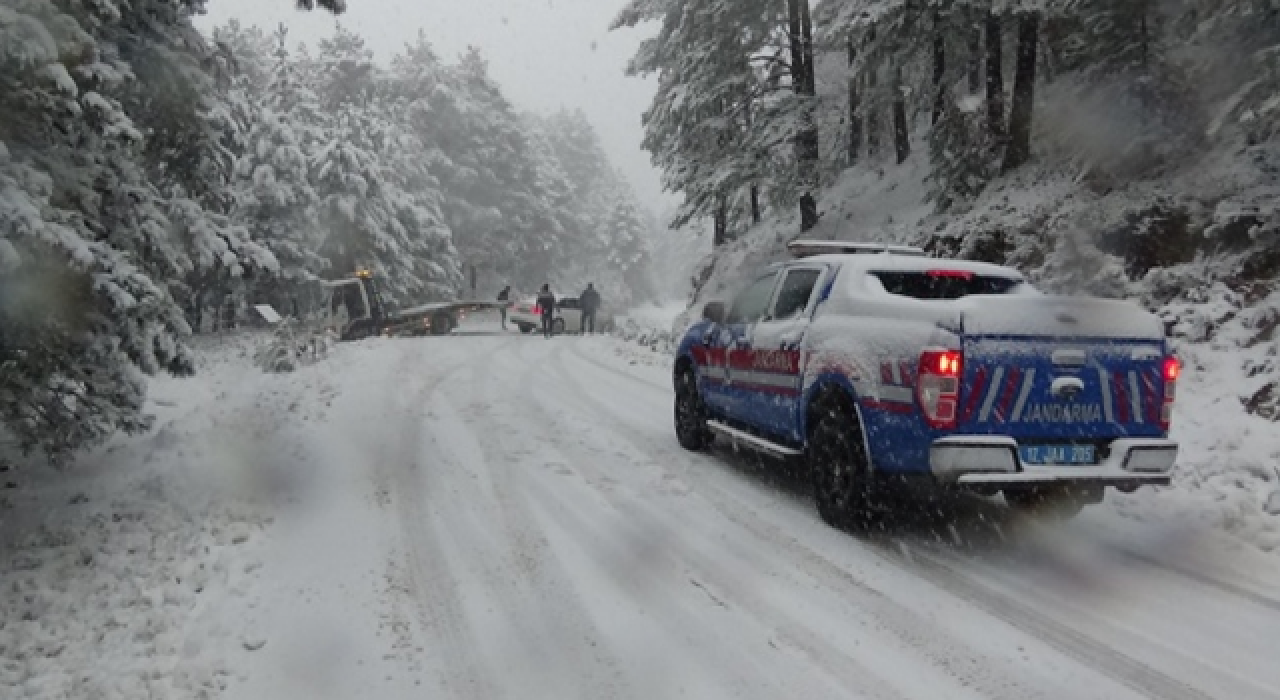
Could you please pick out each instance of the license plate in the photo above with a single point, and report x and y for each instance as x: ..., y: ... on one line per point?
x: 1058, y: 454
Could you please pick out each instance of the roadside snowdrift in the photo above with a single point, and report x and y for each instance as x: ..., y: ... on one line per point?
x: 127, y: 574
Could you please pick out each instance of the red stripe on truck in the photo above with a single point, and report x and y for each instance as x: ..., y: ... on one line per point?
x: 1118, y: 382
x: 976, y: 393
x: 1010, y: 389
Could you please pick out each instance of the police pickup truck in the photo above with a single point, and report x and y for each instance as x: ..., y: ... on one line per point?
x: 883, y: 369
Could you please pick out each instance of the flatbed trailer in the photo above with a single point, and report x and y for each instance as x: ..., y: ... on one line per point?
x: 366, y: 314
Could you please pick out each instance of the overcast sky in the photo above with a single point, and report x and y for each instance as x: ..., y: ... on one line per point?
x: 546, y: 54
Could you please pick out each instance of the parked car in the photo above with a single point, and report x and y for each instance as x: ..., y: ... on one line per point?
x: 567, y: 318
x: 883, y: 369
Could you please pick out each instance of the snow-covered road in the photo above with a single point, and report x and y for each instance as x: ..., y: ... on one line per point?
x: 504, y: 516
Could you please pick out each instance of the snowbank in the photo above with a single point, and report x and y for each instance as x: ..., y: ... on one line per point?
x: 657, y: 327
x: 127, y: 573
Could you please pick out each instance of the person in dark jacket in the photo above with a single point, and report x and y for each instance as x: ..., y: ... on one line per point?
x: 590, y: 301
x: 547, y: 304
x: 504, y: 296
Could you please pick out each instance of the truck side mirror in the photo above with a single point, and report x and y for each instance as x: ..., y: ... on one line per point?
x: 713, y: 311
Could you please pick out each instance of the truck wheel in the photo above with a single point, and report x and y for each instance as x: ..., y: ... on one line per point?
x: 441, y: 324
x: 691, y: 414
x: 557, y: 327
x: 524, y: 327
x: 1048, y: 502
x: 838, y: 466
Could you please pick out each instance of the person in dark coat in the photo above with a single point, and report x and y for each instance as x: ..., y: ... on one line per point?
x: 547, y: 304
x: 590, y: 301
x: 504, y: 296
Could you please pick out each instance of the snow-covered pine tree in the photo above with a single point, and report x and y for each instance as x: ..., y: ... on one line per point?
x: 721, y: 109
x: 416, y: 201
x: 81, y: 318
x: 275, y: 198
x: 960, y: 153
x: 497, y: 200
x: 629, y: 249
x: 118, y: 135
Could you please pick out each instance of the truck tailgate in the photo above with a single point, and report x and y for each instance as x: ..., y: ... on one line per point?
x: 1059, y: 370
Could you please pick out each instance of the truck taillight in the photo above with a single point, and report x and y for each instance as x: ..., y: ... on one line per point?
x: 938, y: 387
x: 537, y: 310
x: 1172, y: 370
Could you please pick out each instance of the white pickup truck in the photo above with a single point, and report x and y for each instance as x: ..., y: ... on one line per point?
x: 882, y: 367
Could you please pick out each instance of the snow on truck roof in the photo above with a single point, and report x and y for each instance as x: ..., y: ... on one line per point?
x: 877, y: 257
x: 806, y: 249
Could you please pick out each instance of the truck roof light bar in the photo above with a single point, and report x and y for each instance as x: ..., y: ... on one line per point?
x: 805, y: 249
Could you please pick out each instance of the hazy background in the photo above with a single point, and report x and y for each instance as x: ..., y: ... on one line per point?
x: 546, y: 54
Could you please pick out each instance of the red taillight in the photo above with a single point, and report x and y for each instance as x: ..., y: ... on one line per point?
x: 1171, y: 371
x: 954, y: 274
x: 537, y: 310
x: 938, y: 387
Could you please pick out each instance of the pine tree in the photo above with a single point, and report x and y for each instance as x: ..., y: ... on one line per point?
x: 629, y: 252
x: 81, y: 318
x: 276, y: 200
x: 960, y: 153
x: 722, y: 111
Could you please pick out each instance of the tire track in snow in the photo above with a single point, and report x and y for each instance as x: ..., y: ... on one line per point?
x: 579, y: 355
x: 433, y: 591
x: 1237, y: 591
x: 969, y: 667
x: 1074, y: 644
x: 991, y: 581
x: 552, y: 617
x: 932, y: 564
x: 673, y: 572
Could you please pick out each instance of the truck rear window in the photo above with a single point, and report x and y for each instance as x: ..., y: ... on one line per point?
x: 926, y: 285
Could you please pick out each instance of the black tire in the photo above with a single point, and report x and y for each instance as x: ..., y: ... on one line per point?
x: 525, y: 327
x: 1048, y: 503
x: 839, y: 469
x: 441, y: 324
x: 691, y: 414
x: 557, y: 327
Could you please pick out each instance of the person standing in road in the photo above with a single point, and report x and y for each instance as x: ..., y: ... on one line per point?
x: 547, y: 304
x: 505, y: 297
x: 590, y: 300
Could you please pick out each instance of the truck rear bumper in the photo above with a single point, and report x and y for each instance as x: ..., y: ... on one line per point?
x: 992, y: 462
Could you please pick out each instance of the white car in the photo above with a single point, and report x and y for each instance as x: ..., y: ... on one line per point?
x: 527, y: 316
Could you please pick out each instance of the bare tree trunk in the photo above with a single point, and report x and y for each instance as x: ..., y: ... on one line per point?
x: 721, y: 234
x: 1145, y: 38
x: 975, y: 57
x: 995, y: 76
x: 1024, y: 92
x: 939, y: 66
x: 901, y: 134
x: 872, y: 113
x: 804, y: 82
x: 855, y: 119
x: 755, y: 204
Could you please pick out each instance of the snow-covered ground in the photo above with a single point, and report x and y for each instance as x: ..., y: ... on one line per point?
x: 496, y: 515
